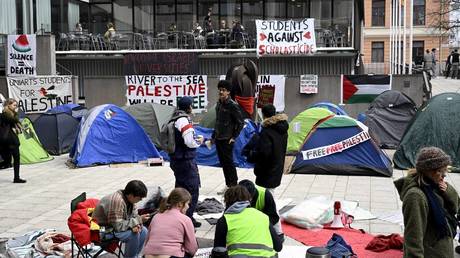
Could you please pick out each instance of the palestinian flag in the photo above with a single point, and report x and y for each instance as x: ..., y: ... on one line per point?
x: 363, y: 88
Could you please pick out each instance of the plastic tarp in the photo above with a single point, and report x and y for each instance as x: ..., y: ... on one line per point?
x: 331, y: 107
x: 437, y: 123
x: 208, y: 157
x: 151, y: 116
x: 31, y: 150
x: 388, y: 117
x: 110, y: 135
x: 56, y: 131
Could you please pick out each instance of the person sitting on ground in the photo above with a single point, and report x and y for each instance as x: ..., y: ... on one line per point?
x: 110, y: 33
x: 243, y: 230
x: 263, y: 201
x: 171, y: 233
x: 117, y: 213
x: 429, y: 205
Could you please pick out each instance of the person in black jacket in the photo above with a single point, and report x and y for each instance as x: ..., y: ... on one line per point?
x: 229, y: 123
x: 270, y: 150
x: 9, y: 141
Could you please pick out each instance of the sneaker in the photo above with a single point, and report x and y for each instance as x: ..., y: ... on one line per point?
x: 222, y: 191
x: 19, y: 181
x: 196, y: 223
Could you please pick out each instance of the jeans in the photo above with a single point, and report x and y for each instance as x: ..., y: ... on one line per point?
x: 134, y: 242
x: 225, y: 154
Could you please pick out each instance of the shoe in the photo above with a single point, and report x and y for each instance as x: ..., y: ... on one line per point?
x: 457, y: 249
x: 19, y: 181
x: 222, y: 191
x: 196, y: 223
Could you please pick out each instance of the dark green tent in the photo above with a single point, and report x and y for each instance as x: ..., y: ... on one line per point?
x: 437, y: 123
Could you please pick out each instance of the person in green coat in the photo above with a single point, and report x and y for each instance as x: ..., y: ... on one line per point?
x: 429, y: 206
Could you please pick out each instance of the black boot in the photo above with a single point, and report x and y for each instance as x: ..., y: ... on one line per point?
x: 196, y: 223
x: 19, y: 181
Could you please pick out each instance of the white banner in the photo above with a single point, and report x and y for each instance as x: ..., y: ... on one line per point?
x: 291, y: 37
x: 309, y: 83
x: 22, y: 55
x: 40, y: 93
x: 167, y: 89
x: 269, y: 90
x: 336, y: 147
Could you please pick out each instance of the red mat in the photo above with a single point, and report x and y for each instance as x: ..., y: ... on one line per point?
x: 353, y: 237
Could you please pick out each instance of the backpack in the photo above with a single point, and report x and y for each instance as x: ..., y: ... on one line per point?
x: 168, y: 134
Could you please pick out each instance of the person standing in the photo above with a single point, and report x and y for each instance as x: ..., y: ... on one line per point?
x: 428, y: 61
x: 435, y: 62
x: 454, y: 60
x: 118, y: 214
x: 183, y: 160
x: 171, y: 232
x: 429, y: 206
x: 10, y: 127
x: 229, y: 123
x: 448, y: 65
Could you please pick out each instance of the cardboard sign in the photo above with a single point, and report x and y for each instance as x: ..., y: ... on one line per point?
x: 269, y: 90
x: 336, y: 147
x: 160, y: 63
x: 40, y: 93
x: 285, y: 37
x: 22, y: 55
x: 167, y: 89
x: 309, y: 83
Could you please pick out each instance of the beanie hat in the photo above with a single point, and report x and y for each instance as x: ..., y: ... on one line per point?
x: 268, y: 110
x: 184, y: 103
x: 431, y: 158
x: 225, y: 84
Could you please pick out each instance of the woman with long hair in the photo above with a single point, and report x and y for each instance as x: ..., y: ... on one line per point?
x: 429, y: 206
x: 171, y: 232
x: 9, y: 141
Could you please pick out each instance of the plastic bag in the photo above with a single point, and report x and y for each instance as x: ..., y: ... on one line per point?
x: 311, y: 213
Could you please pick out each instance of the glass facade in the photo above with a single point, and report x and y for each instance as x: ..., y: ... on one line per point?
x: 333, y: 18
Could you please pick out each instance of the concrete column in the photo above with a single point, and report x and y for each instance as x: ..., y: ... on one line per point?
x: 46, y: 55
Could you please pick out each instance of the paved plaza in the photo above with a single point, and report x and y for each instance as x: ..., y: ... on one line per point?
x: 44, y: 201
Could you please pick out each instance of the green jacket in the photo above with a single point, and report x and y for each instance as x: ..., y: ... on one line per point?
x: 420, y: 238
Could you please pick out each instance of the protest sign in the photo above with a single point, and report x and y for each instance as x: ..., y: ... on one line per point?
x: 336, y: 147
x: 291, y: 37
x: 160, y: 63
x: 40, y: 93
x: 22, y: 55
x: 269, y: 90
x: 167, y: 89
x: 309, y: 83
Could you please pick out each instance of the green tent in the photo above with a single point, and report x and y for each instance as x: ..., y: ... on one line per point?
x: 151, y: 116
x: 302, y: 124
x: 209, y: 118
x: 437, y: 123
x: 31, y: 150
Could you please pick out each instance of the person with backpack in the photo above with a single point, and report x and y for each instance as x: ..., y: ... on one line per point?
x: 229, y: 122
x: 183, y: 158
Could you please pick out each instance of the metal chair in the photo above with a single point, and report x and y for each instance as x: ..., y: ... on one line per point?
x: 104, y: 245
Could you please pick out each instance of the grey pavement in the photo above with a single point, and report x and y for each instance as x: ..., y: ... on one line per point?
x: 44, y: 201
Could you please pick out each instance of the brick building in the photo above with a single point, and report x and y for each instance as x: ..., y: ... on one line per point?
x: 376, y: 33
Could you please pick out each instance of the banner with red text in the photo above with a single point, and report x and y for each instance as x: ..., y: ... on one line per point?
x: 167, y: 89
x: 291, y: 37
x: 336, y: 147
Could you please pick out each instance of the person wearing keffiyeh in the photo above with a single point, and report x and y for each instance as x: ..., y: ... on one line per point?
x: 118, y: 215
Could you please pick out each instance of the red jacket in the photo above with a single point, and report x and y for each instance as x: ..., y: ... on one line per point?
x: 79, y: 223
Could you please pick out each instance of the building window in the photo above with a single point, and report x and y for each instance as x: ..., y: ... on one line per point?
x: 165, y: 16
x: 377, y: 52
x: 185, y: 15
x: 203, y: 7
x: 101, y: 15
x: 275, y: 9
x: 123, y: 15
x: 143, y: 16
x: 252, y: 10
x: 417, y: 52
x: 419, y: 12
x: 298, y: 9
x: 378, y: 12
x: 321, y: 10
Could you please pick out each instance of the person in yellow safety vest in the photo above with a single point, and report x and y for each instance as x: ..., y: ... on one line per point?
x: 245, y: 231
x: 263, y: 200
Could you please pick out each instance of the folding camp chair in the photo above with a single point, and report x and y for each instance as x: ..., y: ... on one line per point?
x: 104, y: 244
